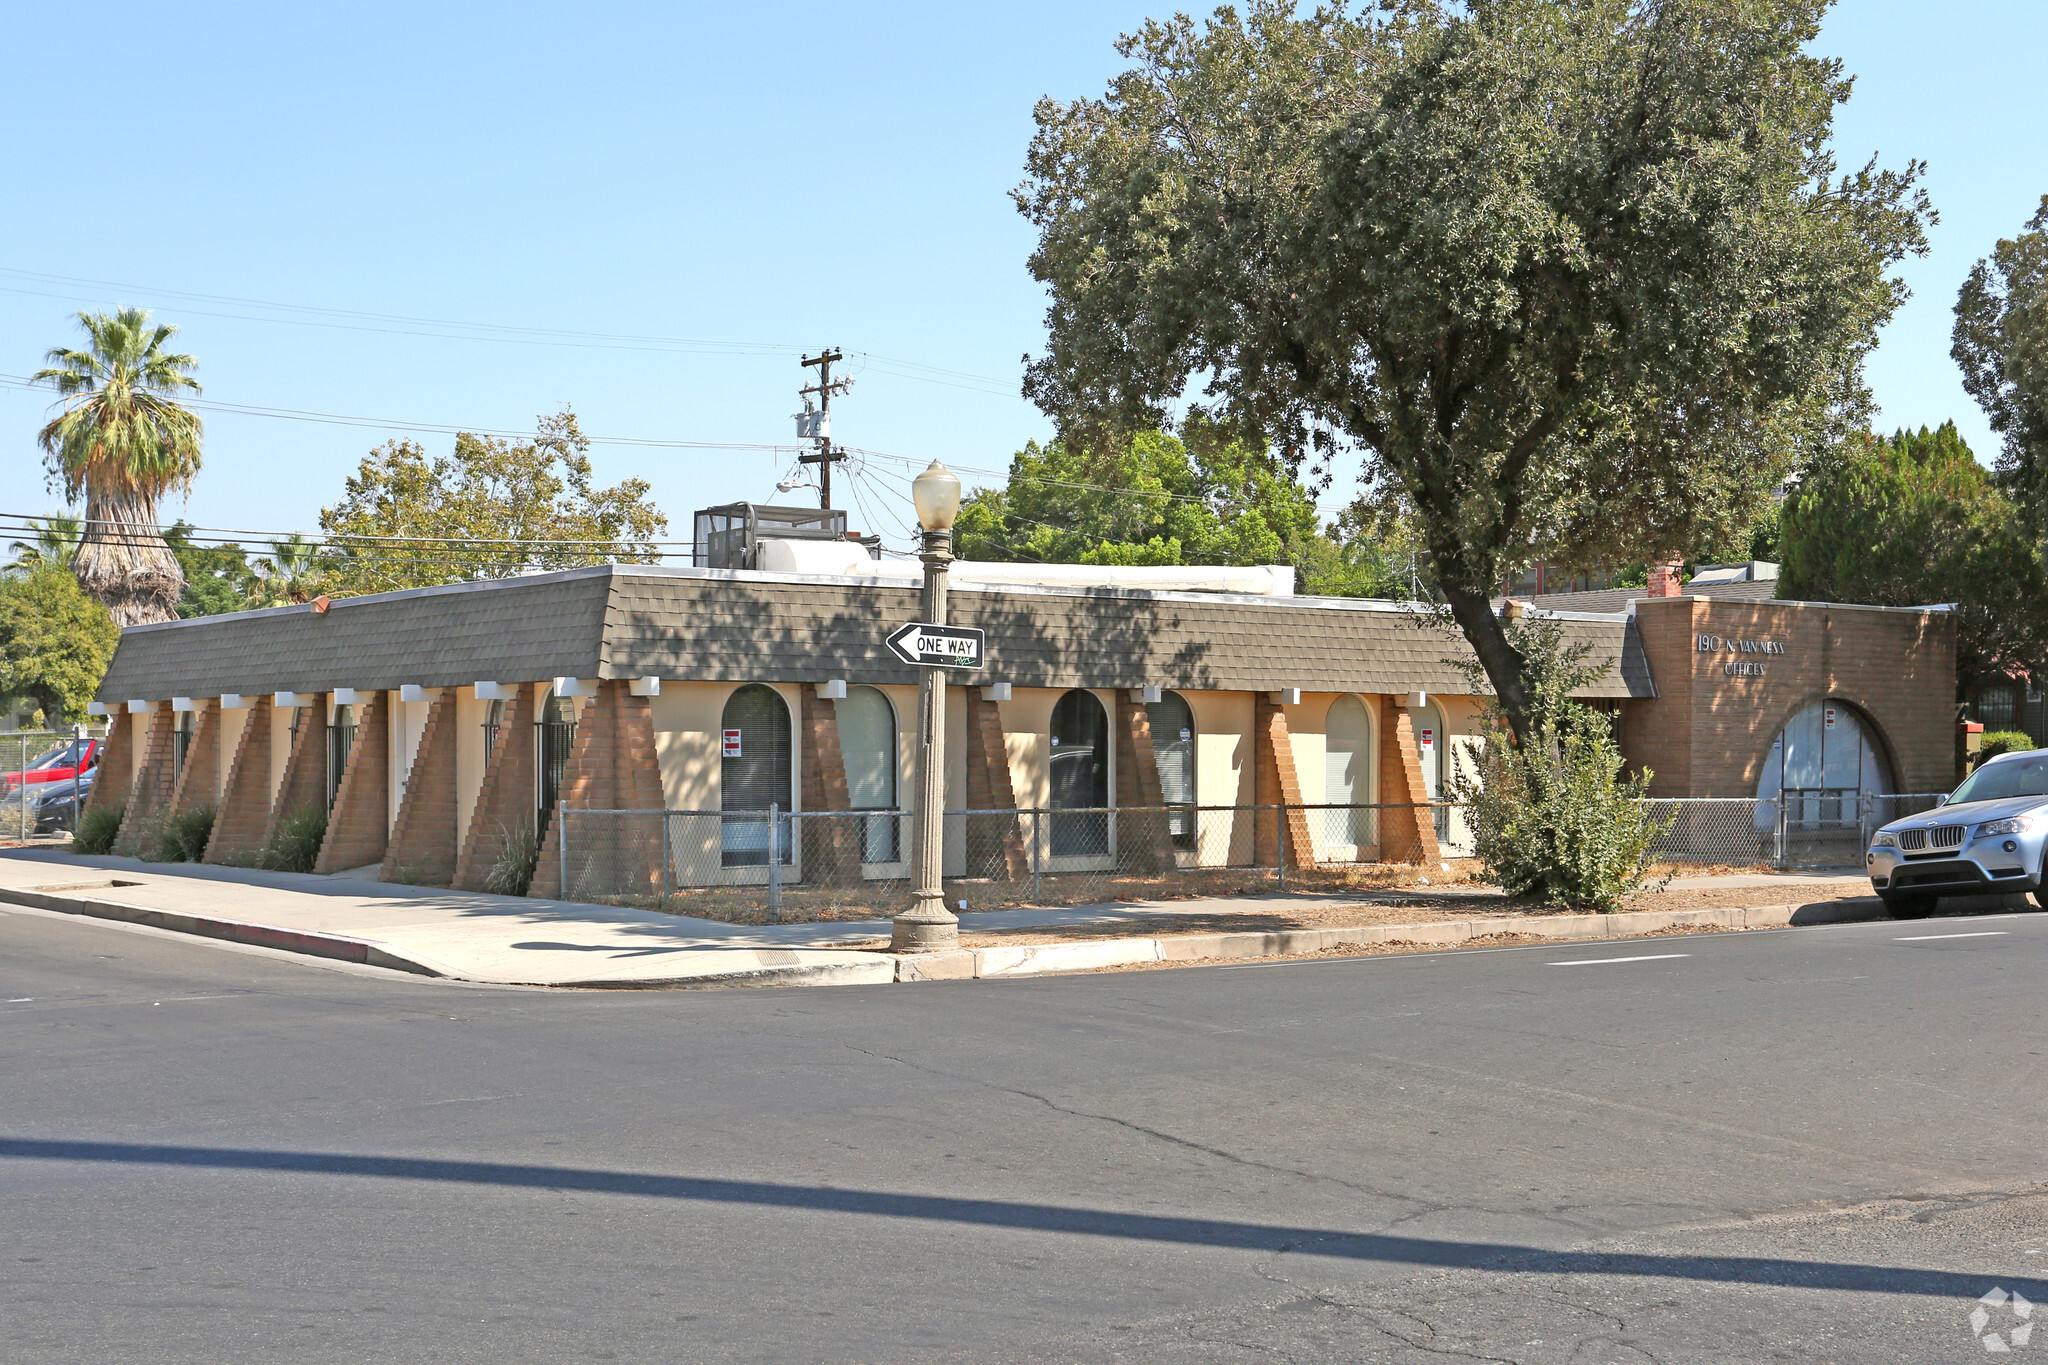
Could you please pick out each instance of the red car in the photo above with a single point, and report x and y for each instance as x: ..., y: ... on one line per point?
x: 61, y: 764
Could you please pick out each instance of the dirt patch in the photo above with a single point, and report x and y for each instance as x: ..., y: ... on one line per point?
x: 1407, y: 946
x: 1277, y: 914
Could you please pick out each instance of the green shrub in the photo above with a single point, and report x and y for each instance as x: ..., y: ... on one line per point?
x: 182, y: 839
x: 1556, y: 818
x: 295, y: 845
x: 96, y: 830
x: 1998, y: 742
x: 512, y: 866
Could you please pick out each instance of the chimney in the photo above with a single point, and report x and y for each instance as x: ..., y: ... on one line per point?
x: 1664, y: 579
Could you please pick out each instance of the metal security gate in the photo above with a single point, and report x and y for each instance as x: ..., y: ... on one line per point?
x: 554, y: 737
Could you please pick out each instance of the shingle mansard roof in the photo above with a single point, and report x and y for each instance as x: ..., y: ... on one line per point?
x: 714, y: 625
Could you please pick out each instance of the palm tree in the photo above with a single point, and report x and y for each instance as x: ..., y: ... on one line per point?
x: 56, y: 543
x: 289, y: 575
x: 123, y: 441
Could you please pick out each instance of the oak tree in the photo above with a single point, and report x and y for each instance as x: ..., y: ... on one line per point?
x: 1580, y: 278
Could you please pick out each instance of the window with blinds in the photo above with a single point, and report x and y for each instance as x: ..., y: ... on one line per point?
x: 754, y: 773
x: 867, y: 742
x: 1173, y: 749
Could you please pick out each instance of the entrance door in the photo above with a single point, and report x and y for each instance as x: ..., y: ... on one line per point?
x: 1080, y: 776
x: 1822, y: 766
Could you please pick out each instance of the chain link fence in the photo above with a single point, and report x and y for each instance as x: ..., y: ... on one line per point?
x: 43, y: 783
x: 821, y: 865
x: 1807, y: 829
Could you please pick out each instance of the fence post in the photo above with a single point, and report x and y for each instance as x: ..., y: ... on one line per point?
x: 562, y: 848
x: 77, y: 772
x: 1037, y: 832
x: 1784, y: 853
x: 774, y: 862
x: 1280, y: 815
x: 21, y: 788
x: 667, y: 860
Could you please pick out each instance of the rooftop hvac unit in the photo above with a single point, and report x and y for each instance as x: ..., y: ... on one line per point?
x: 730, y: 537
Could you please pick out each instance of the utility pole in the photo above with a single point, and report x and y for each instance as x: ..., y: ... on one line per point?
x: 817, y: 424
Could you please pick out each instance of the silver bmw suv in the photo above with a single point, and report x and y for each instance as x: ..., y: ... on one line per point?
x: 1986, y: 838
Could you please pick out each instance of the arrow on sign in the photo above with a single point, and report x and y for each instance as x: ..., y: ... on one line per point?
x: 936, y: 646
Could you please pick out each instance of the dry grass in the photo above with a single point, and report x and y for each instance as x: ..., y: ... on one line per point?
x: 1277, y: 915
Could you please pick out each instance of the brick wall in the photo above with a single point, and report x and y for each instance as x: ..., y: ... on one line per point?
x: 156, y: 774
x: 199, y: 779
x: 1275, y: 781
x: 423, y: 846
x: 359, y: 826
x: 1709, y: 730
x: 117, y: 764
x: 506, y: 800
x: 1407, y: 829
x: 244, y: 810
x: 831, y: 848
x: 995, y: 846
x: 304, y: 783
x: 1144, y: 843
x: 612, y: 766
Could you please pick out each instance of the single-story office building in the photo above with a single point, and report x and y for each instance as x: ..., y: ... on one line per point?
x: 431, y: 721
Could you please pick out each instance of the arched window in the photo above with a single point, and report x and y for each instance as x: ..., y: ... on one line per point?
x: 1347, y: 772
x: 867, y: 743
x: 1173, y: 749
x: 1080, y: 775
x: 341, y: 737
x: 554, y: 738
x: 754, y: 773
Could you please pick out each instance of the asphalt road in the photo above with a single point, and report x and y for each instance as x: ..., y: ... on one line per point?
x: 1807, y: 1145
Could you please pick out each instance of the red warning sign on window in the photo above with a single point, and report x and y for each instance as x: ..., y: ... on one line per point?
x: 1428, y: 737
x: 732, y: 744
x: 1829, y: 717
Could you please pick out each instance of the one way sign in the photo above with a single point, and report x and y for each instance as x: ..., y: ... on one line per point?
x: 939, y: 646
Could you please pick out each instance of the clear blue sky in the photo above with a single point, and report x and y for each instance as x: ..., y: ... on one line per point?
x: 770, y: 179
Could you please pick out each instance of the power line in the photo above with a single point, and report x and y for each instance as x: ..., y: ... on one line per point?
x: 427, y: 428
x: 644, y: 442
x: 352, y: 535
x: 399, y: 324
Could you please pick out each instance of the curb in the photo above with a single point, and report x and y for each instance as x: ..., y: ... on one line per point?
x: 1045, y: 959
x: 1023, y: 960
x: 306, y: 941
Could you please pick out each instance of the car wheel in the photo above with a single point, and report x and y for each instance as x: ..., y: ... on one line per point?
x: 1904, y: 906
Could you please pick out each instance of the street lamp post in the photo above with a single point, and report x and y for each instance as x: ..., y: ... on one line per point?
x: 928, y: 925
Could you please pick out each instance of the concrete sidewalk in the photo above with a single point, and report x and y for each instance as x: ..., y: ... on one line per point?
x: 469, y: 936
x: 510, y: 940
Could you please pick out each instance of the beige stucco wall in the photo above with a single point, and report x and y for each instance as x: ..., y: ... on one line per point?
x: 231, y: 724
x: 469, y: 754
x: 280, y: 743
x: 408, y: 723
